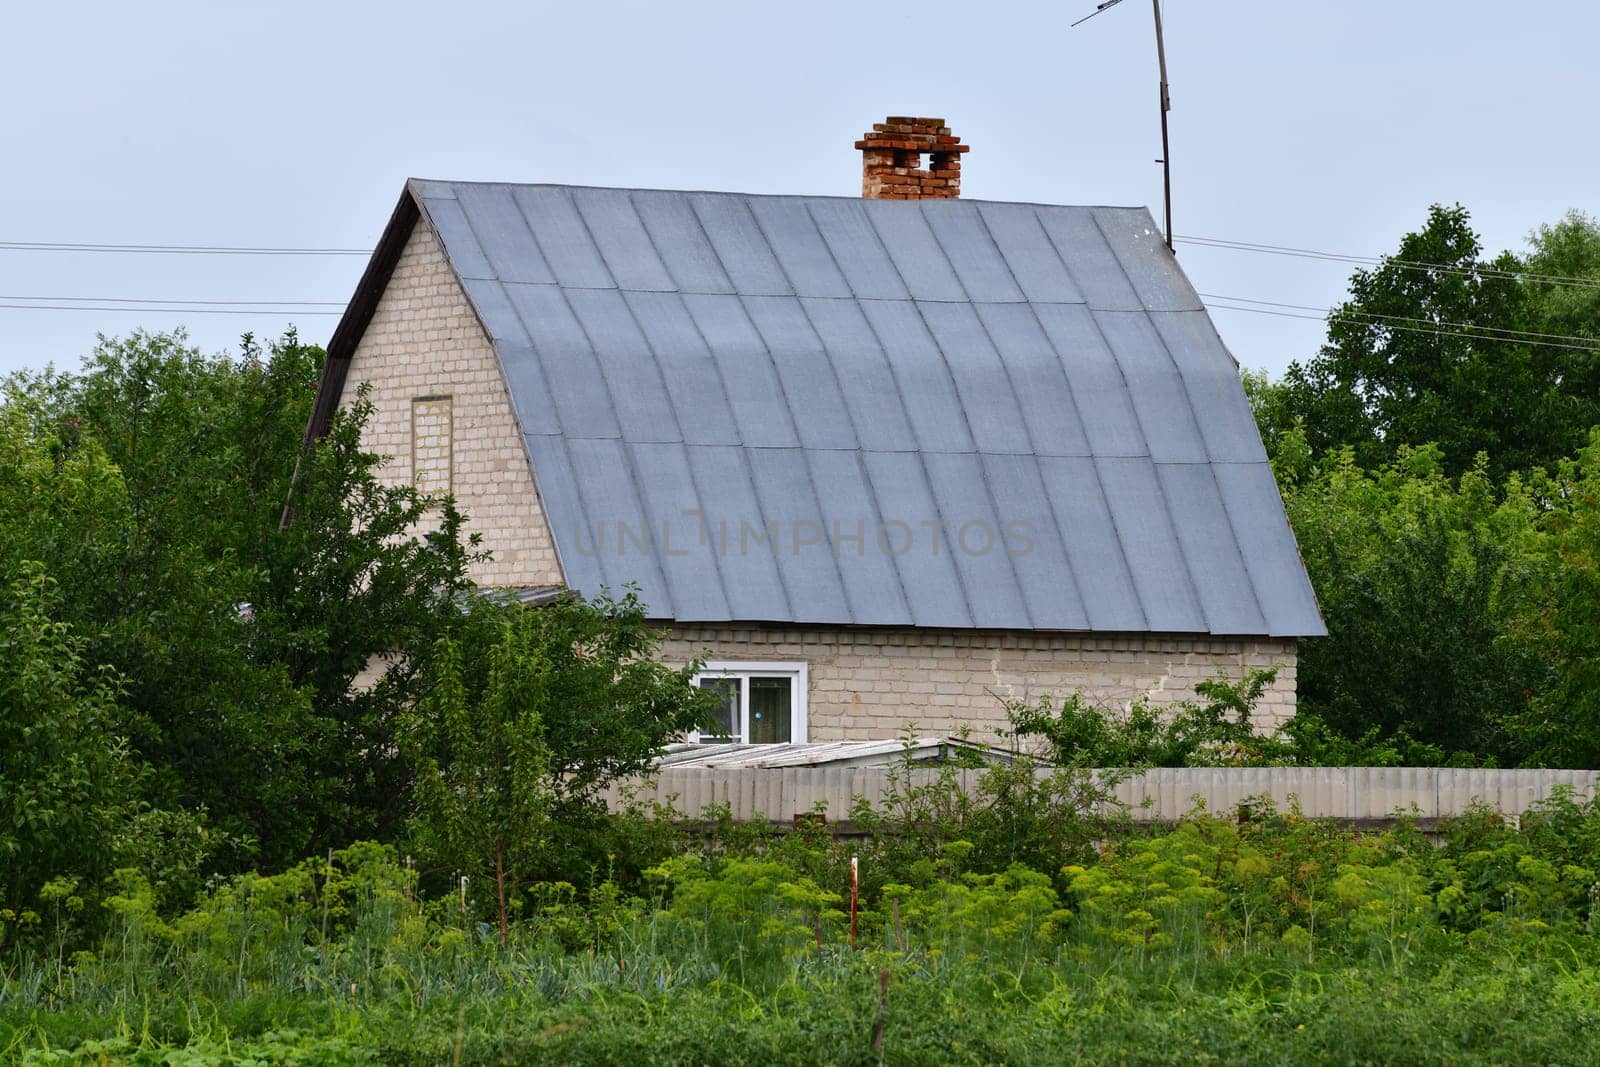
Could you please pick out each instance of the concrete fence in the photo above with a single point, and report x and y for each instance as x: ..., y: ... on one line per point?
x: 1350, y: 794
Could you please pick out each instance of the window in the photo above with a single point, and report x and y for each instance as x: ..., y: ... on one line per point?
x: 762, y: 703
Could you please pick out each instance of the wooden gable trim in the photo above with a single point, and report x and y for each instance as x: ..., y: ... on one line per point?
x: 347, y: 335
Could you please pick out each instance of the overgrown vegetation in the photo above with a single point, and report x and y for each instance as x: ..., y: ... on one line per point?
x: 1277, y: 940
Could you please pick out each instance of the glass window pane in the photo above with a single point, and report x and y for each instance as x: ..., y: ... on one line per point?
x: 726, y: 715
x: 771, y: 701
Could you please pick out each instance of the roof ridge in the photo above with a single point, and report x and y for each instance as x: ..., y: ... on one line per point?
x: 763, y: 196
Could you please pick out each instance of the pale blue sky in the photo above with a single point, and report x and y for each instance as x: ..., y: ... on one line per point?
x: 1329, y: 126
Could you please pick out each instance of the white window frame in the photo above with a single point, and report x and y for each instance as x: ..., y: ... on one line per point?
x: 796, y: 671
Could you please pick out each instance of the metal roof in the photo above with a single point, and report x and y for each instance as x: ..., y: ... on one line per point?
x: 829, y: 753
x: 937, y: 413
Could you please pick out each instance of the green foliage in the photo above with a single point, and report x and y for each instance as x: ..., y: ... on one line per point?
x: 151, y: 486
x: 483, y: 762
x: 69, y: 811
x: 1561, y: 724
x: 946, y: 819
x: 528, y: 714
x: 1439, y: 573
x: 1264, y: 942
x: 1423, y: 355
x: 1216, y: 730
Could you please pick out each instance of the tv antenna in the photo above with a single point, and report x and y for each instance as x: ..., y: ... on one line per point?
x: 1166, y: 105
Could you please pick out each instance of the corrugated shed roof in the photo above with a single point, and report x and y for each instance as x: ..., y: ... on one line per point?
x: 938, y: 413
x: 830, y: 753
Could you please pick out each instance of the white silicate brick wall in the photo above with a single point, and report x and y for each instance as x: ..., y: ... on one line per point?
x: 433, y: 371
x: 869, y: 684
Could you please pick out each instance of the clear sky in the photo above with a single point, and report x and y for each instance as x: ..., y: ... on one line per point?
x: 1329, y: 125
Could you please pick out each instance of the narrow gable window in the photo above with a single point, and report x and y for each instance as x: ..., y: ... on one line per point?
x: 431, y: 446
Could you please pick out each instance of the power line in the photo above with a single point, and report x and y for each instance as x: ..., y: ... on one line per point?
x: 1407, y: 264
x: 177, y: 300
x: 147, y: 309
x: 178, y: 250
x: 1505, y: 334
x: 1589, y: 347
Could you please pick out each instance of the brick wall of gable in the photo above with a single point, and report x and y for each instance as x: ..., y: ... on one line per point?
x: 424, y: 341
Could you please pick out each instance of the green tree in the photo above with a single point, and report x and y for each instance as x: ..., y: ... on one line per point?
x: 1425, y: 582
x: 1561, y: 728
x: 70, y: 812
x: 1431, y: 348
x: 530, y: 712
x: 238, y: 638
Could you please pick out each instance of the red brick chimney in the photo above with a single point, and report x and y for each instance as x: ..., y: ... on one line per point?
x: 891, y: 160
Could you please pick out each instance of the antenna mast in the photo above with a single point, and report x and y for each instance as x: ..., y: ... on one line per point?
x: 1166, y: 106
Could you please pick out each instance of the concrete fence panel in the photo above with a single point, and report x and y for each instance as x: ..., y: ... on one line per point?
x: 1159, y: 795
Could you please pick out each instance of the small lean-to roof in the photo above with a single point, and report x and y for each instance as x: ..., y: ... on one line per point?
x: 920, y: 750
x: 823, y: 410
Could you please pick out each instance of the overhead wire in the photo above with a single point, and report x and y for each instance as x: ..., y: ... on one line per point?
x: 1407, y: 264
x: 1498, y: 333
x: 148, y: 309
x: 1589, y: 346
x: 177, y: 250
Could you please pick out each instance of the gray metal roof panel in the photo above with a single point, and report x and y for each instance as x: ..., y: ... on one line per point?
x: 563, y: 237
x: 503, y: 233
x: 689, y: 560
x: 791, y: 527
x: 576, y: 545
x: 1156, y: 563
x: 971, y: 533
x: 632, y: 372
x: 1166, y: 413
x: 1049, y: 410
x: 612, y: 520
x: 1250, y: 495
x: 681, y: 242
x: 797, y: 243
x: 917, y: 257
x: 740, y: 246
x: 728, y: 514
x: 623, y: 242
x: 809, y: 385
x: 858, y: 250
x: 1029, y: 255
x: 1096, y: 271
x: 983, y: 380
x: 691, y: 375
x: 1089, y: 533
x: 1033, y: 542
x: 1212, y: 379
x: 923, y: 385
x: 850, y: 511
x: 865, y: 379
x: 1210, y: 549
x: 1140, y: 250
x: 572, y: 371
x: 460, y: 243
x: 909, y: 522
x: 965, y: 242
x: 755, y: 392
x: 800, y: 369
x: 1103, y: 401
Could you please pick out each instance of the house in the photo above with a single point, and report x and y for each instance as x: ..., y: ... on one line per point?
x: 880, y: 460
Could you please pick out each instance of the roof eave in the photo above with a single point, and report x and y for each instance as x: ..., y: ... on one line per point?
x: 358, y: 313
